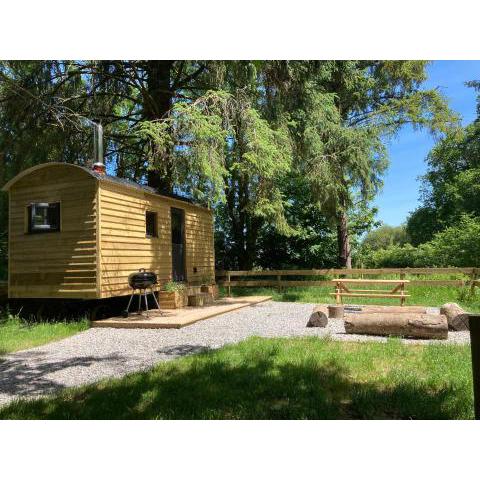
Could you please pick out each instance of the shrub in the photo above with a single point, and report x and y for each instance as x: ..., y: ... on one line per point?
x: 394, y: 256
x: 456, y: 246
x: 174, y: 287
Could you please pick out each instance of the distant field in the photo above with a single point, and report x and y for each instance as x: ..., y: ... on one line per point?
x: 430, y: 296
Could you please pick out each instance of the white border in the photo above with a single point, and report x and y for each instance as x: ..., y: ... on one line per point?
x: 222, y: 29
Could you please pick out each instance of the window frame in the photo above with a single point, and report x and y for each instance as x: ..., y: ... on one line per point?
x: 31, y: 230
x: 155, y: 224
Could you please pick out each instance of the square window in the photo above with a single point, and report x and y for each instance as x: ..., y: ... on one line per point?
x: 44, y: 217
x: 151, y: 224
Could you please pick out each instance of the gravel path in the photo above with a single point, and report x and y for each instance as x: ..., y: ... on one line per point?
x: 108, y: 352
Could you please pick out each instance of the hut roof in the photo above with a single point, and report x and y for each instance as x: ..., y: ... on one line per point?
x: 101, y: 177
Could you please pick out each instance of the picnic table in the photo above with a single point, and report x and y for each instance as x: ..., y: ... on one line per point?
x: 397, y: 291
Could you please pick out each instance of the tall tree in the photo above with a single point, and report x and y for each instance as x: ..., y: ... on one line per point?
x: 343, y: 112
x: 119, y: 94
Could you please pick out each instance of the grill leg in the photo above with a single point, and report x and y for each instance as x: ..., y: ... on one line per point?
x: 155, y: 298
x: 156, y: 302
x: 146, y: 301
x: 125, y: 313
x: 139, y: 301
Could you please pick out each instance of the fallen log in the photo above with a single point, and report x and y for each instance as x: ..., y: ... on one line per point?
x: 409, y: 325
x: 319, y: 317
x: 456, y: 317
x: 387, y: 309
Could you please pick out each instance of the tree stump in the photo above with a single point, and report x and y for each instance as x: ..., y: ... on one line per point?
x: 456, y: 317
x: 409, y: 325
x: 335, y: 311
x: 319, y: 317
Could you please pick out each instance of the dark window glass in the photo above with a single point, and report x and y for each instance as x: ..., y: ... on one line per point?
x: 178, y: 245
x: 44, y: 217
x: 151, y: 224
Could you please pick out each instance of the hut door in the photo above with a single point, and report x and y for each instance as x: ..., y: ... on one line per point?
x: 178, y: 244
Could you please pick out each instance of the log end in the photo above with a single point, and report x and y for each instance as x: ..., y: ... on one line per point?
x: 335, y: 311
x: 319, y: 317
x: 457, y: 317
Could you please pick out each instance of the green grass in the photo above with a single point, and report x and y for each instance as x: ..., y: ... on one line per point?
x: 430, y: 296
x: 15, y: 334
x: 303, y: 378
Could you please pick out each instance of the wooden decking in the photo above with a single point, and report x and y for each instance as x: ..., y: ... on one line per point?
x: 180, y: 317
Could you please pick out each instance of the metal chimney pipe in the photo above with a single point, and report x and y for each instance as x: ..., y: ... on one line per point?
x: 99, y: 165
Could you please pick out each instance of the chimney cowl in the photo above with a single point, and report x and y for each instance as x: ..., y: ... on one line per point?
x: 99, y: 167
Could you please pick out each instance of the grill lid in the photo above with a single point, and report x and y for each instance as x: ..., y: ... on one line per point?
x: 142, y: 279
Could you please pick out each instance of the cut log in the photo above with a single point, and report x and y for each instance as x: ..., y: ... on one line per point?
x: 319, y: 317
x: 335, y: 311
x: 456, y: 317
x: 388, y: 309
x: 409, y: 325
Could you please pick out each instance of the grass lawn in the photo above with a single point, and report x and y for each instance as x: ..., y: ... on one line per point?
x: 430, y: 296
x: 303, y: 378
x: 16, y: 334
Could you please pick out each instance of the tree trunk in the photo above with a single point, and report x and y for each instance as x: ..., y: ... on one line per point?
x: 413, y: 325
x: 344, y: 254
x: 156, y: 104
x: 456, y: 317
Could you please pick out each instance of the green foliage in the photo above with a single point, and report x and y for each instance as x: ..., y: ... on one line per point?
x: 221, y: 137
x: 393, y: 256
x: 172, y: 286
x: 455, y: 246
x: 422, y: 224
x: 302, y: 378
x: 451, y: 186
x: 384, y: 236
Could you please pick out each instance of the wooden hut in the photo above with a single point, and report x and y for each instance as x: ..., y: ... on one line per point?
x: 76, y: 233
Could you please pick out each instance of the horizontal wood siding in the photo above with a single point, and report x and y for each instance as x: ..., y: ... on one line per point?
x: 57, y: 264
x: 124, y: 247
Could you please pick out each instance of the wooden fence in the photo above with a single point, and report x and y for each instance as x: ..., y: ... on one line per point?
x: 276, y: 277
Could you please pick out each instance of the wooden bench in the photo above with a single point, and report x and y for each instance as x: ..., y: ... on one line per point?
x: 398, y: 291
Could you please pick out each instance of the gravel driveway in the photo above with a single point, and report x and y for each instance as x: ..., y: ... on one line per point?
x: 108, y: 352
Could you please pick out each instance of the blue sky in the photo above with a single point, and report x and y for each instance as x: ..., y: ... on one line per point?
x: 408, y: 150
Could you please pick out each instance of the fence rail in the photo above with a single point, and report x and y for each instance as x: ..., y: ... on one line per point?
x: 224, y: 277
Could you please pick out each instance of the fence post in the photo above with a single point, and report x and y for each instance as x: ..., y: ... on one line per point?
x: 279, y: 282
x: 473, y: 278
x: 474, y: 323
x: 228, y: 283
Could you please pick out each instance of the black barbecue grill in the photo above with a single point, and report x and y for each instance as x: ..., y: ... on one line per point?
x: 141, y: 281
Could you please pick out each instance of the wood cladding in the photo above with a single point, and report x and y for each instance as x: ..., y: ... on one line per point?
x: 102, y: 238
x: 125, y: 247
x: 55, y: 264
